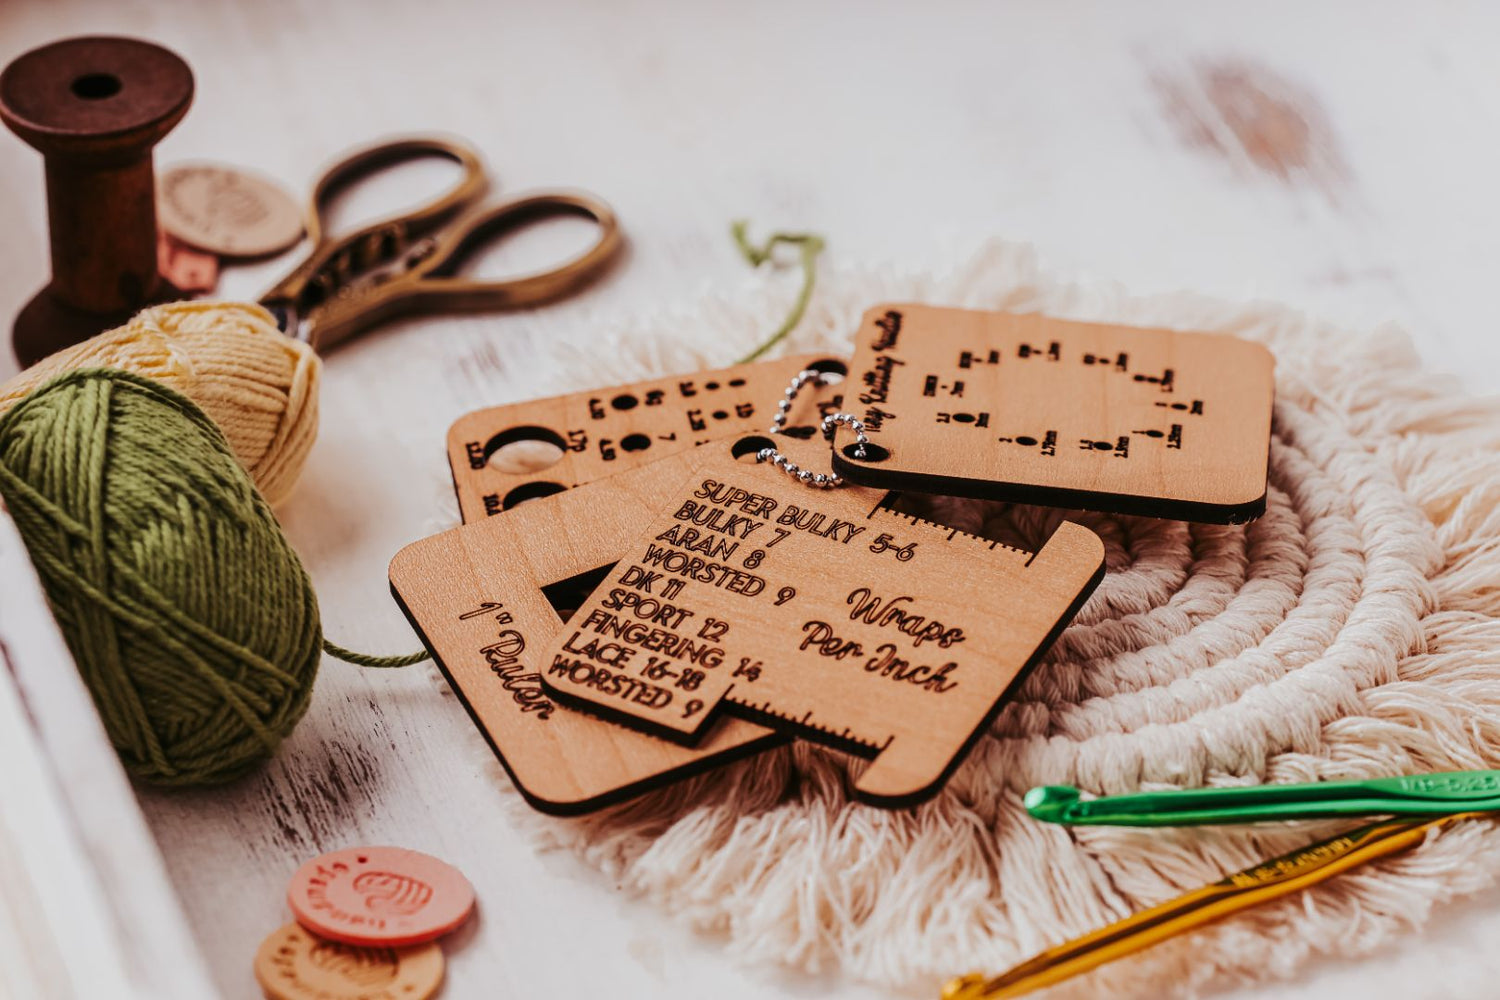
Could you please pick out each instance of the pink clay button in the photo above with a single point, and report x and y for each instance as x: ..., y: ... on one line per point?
x: 380, y: 896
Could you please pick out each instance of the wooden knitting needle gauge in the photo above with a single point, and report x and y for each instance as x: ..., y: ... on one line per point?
x: 1066, y: 414
x: 583, y: 436
x: 820, y: 613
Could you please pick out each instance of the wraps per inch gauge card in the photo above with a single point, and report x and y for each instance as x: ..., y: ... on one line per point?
x: 819, y: 613
x: 1048, y: 411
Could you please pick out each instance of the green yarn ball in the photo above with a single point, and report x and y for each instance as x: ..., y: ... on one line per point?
x: 189, y: 615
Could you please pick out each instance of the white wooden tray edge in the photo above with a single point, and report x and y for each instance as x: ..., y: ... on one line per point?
x: 86, y: 907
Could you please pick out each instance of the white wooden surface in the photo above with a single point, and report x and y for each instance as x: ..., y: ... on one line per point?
x: 1112, y: 136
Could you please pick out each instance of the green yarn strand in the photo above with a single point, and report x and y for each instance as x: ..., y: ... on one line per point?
x: 367, y: 660
x: 809, y: 246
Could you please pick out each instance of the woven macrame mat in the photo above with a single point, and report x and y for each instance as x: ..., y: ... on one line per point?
x: 1351, y: 632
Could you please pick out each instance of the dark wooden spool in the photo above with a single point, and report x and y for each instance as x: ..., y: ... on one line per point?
x: 94, y: 108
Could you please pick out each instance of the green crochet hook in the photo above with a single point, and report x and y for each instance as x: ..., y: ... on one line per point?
x: 1416, y: 795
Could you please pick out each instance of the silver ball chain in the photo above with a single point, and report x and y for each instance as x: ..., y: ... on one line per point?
x: 818, y: 480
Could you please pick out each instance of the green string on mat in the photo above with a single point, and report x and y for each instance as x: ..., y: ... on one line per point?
x: 810, y: 245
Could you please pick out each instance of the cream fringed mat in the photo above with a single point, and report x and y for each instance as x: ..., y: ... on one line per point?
x: 1352, y: 632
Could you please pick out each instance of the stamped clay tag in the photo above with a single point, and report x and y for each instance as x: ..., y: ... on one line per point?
x: 1048, y: 411
x: 504, y: 455
x: 819, y: 613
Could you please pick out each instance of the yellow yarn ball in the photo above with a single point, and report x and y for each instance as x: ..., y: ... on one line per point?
x: 258, y: 385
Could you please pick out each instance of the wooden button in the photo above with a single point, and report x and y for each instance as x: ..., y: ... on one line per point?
x: 227, y: 211
x: 295, y: 964
x: 380, y: 896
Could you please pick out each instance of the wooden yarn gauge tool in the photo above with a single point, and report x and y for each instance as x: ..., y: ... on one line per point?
x: 606, y: 431
x: 1065, y: 414
x: 822, y: 614
x: 485, y: 598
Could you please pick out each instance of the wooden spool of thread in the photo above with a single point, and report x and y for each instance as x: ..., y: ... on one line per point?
x: 94, y: 108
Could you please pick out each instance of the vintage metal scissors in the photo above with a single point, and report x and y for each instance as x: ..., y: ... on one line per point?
x: 407, y: 262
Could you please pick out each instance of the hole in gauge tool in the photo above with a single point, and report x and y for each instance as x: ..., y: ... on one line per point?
x: 873, y: 453
x: 802, y: 433
x: 96, y: 86
x: 745, y: 448
x: 566, y: 596
x: 831, y: 366
x: 635, y: 442
x: 530, y: 491
x: 520, y: 451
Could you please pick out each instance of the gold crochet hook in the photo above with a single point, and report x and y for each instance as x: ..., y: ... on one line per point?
x: 1266, y: 881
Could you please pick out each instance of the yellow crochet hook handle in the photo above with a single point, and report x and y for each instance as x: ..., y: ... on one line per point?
x: 1269, y: 880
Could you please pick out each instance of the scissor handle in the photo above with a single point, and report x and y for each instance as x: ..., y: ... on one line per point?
x: 429, y: 280
x: 333, y: 261
x: 419, y: 220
